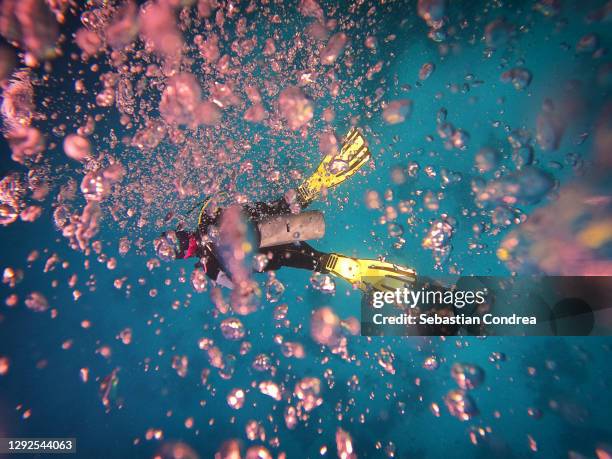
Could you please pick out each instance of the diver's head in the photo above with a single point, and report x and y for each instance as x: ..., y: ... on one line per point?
x: 172, y: 245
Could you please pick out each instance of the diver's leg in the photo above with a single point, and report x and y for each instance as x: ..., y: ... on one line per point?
x: 299, y: 255
x: 335, y: 168
x: 366, y: 273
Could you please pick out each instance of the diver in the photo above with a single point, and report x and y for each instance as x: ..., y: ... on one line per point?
x: 277, y: 237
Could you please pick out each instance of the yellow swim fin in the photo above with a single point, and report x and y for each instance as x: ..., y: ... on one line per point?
x: 370, y: 274
x: 335, y: 169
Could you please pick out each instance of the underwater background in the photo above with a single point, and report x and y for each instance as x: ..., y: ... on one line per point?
x: 137, y: 363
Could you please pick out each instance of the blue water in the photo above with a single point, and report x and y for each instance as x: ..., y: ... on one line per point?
x: 572, y: 376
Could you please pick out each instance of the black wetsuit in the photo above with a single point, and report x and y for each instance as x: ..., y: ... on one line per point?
x: 295, y: 255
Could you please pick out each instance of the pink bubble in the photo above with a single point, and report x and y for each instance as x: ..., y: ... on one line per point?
x: 181, y: 99
x: 208, y: 113
x: 77, y: 147
x: 344, y: 445
x: 31, y: 213
x: 397, y: 111
x: 256, y: 113
x: 159, y: 30
x: 295, y: 107
x: 18, y: 101
x: 89, y: 41
x: 311, y: 8
x: 124, y: 27
x: 37, y: 302
x: 334, y: 48
x: 25, y: 143
x: 114, y: 173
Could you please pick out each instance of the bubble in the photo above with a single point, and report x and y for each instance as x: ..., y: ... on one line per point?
x: 397, y: 111
x: 95, y: 187
x: 519, y: 77
x: 344, y: 444
x: 372, y: 200
x: 232, y: 328
x: 439, y: 235
x: 180, y: 99
x: 77, y: 147
x: 274, y: 288
x: 255, y: 431
x: 548, y: 7
x: 235, y: 399
x: 89, y: 41
x: 295, y: 107
x: 158, y: 27
x: 431, y: 363
x: 291, y: 419
x: 426, y: 70
x: 325, y: 327
x: 177, y: 450
x: 199, y: 280
x: 385, y: 360
x: 497, y: 33
x: 334, y: 48
x: 467, y: 376
x: 125, y: 96
x: 126, y: 336
x: 323, y: 283
x: 108, y: 390
x: 8, y: 213
x: 548, y: 132
x: 307, y: 391
x: 123, y: 28
x: 262, y: 362
x: 502, y: 216
x: 230, y: 449
x: 587, y: 43
x: 105, y: 98
x: 26, y: 143
x: 37, y: 302
x: 311, y: 8
x: 459, y: 139
x: 4, y: 365
x: 258, y: 452
x: 460, y: 405
x: 32, y: 24
x: 150, y: 136
x: 293, y: 350
x: 432, y: 11
x: 497, y: 357
x: 124, y: 246
x: 395, y: 230
x: 528, y: 185
x: 522, y: 156
x: 271, y: 389
x: 486, y: 160
x: 180, y: 363
x: 260, y: 261
x: 18, y: 101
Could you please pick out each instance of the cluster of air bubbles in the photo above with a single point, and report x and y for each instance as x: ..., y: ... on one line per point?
x: 438, y: 238
x: 12, y: 192
x: 323, y: 283
x: 467, y: 376
x: 433, y: 12
x: 451, y: 136
x: 518, y: 76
